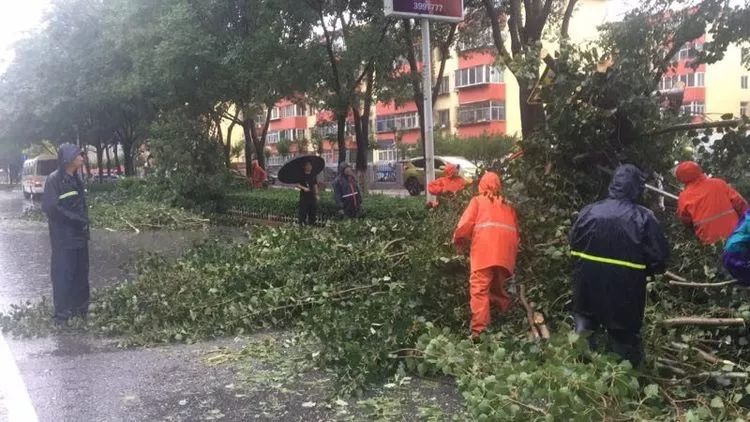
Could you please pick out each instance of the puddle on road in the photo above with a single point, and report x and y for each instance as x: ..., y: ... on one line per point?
x: 25, y: 251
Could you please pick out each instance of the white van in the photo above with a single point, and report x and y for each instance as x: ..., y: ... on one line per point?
x: 35, y: 172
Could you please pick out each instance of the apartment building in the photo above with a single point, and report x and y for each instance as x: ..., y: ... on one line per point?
x: 471, y: 101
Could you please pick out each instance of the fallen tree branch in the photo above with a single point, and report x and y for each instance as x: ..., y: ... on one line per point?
x: 683, y: 282
x: 528, y: 406
x: 676, y: 371
x: 700, y: 285
x: 675, y: 277
x: 719, y: 374
x: 708, y: 357
x: 412, y: 353
x: 391, y: 243
x: 695, y: 126
x: 706, y: 322
x: 673, y: 363
x: 128, y: 223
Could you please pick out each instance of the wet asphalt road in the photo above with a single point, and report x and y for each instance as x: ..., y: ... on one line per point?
x: 79, y: 378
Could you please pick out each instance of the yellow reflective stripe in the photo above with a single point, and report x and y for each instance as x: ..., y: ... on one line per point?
x: 68, y: 195
x: 608, y: 260
x: 714, y: 217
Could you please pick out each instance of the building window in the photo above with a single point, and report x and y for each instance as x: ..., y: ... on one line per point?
x: 691, y: 80
x: 330, y: 130
x: 274, y: 113
x: 388, y: 155
x: 273, y: 137
x: 478, y: 75
x: 393, y: 122
x: 443, y: 119
x: 481, y: 112
x: 695, y: 108
x: 688, y: 51
x: 743, y: 82
x: 291, y: 110
x: 744, y: 108
x: 445, y: 86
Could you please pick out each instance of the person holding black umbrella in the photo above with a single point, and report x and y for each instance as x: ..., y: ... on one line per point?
x: 302, y: 173
x: 308, y: 196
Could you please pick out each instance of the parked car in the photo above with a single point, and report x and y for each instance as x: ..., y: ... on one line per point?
x: 414, y: 171
x: 104, y: 179
x: 34, y: 175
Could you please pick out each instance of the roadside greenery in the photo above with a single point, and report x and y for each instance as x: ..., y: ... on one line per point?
x: 132, y: 205
x: 274, y: 203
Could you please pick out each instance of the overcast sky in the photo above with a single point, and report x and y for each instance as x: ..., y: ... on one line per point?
x: 17, y: 17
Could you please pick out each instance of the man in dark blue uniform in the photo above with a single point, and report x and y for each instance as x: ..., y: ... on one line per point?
x: 616, y: 244
x: 64, y: 203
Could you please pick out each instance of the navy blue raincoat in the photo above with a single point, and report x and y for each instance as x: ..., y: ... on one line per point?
x: 64, y: 202
x: 616, y: 244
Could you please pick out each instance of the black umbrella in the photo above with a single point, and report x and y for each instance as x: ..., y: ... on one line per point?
x: 293, y: 171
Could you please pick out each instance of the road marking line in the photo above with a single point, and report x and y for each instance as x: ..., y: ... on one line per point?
x: 16, y: 397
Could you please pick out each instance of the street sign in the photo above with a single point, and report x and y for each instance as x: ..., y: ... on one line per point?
x: 439, y: 10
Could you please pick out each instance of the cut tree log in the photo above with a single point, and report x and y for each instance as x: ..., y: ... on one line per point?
x: 705, y: 322
x: 529, y: 311
x: 534, y: 331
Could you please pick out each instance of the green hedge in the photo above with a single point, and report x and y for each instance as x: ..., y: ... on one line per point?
x: 283, y: 203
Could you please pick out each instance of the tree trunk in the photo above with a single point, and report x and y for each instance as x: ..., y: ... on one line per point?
x: 247, y: 128
x: 109, y: 162
x: 228, y: 146
x: 362, y: 124
x: 117, y: 159
x: 341, y: 135
x: 259, y: 141
x: 99, y: 159
x: 532, y: 115
x: 127, y: 152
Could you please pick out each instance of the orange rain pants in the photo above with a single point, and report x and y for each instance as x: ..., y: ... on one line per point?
x: 487, y: 288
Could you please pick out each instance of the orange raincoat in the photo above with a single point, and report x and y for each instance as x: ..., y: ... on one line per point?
x: 708, y: 204
x: 449, y: 184
x: 258, y: 175
x: 490, y: 223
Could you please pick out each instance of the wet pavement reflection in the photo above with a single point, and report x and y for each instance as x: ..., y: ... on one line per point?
x: 25, y: 252
x: 74, y: 377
